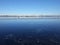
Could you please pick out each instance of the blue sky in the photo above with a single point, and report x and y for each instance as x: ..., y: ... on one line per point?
x: 37, y: 7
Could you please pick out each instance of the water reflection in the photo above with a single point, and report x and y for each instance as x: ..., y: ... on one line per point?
x: 30, y: 32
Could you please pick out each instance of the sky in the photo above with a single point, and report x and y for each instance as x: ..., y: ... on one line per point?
x: 29, y: 7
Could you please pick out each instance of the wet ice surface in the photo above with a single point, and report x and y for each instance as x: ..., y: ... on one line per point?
x: 30, y: 32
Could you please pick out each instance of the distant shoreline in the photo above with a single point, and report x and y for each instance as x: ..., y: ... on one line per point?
x: 30, y: 17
